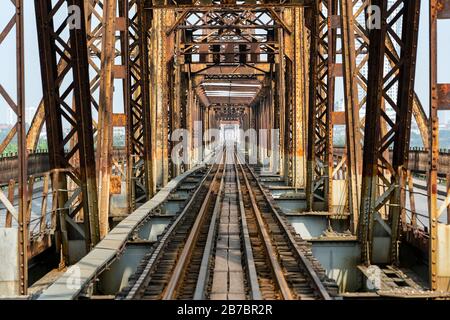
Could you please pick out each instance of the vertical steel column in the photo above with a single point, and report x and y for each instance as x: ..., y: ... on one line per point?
x: 140, y: 144
x: 352, y: 107
x: 372, y: 132
x: 439, y: 100
x: 434, y: 147
x: 319, y: 138
x: 355, y: 44
x: 281, y: 95
x: 161, y: 46
x: 331, y: 77
x: 15, y: 24
x: 19, y: 109
x: 85, y: 141
x: 22, y: 151
x: 384, y: 180
x: 405, y: 99
x: 57, y: 108
x: 188, y: 108
x: 105, y: 110
x: 177, y: 96
x: 101, y: 26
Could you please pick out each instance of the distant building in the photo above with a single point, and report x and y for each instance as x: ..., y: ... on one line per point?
x: 5, y: 126
x: 339, y: 105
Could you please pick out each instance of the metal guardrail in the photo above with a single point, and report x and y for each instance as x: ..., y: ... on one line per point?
x: 38, y: 163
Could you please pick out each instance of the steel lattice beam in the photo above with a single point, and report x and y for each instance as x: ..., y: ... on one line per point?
x: 15, y: 102
x: 78, y: 163
x: 140, y: 144
x: 351, y: 71
x: 382, y: 179
x: 355, y: 46
x: 320, y: 107
x: 439, y: 101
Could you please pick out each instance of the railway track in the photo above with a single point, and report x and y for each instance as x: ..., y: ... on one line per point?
x: 296, y: 274
x: 230, y: 242
x: 157, y: 271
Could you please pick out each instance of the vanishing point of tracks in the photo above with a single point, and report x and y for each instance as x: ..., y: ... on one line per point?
x: 229, y: 242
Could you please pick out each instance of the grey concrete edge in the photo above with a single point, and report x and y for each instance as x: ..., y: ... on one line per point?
x: 75, y: 279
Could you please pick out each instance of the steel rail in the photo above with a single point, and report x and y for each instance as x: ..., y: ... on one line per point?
x: 144, y: 277
x: 204, y: 273
x: 312, y: 274
x: 275, y: 265
x: 251, y: 269
x: 182, y: 263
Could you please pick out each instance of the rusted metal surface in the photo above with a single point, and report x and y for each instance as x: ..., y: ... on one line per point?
x: 355, y: 47
x: 405, y: 97
x: 311, y: 268
x: 15, y: 28
x: 182, y: 263
x: 443, y: 9
x: 321, y: 98
x: 417, y: 109
x: 11, y: 134
x: 9, y: 166
x: 143, y: 280
x: 140, y: 145
x: 38, y: 163
x: 352, y: 69
x: 381, y: 132
x: 176, y: 64
x: 38, y: 245
x: 57, y: 107
x: 443, y: 98
x: 371, y: 135
x: 95, y: 262
x: 105, y: 110
x: 162, y: 47
x: 115, y: 186
x: 168, y: 272
x: 438, y: 244
x: 299, y: 98
x: 23, y: 194
x: 8, y: 216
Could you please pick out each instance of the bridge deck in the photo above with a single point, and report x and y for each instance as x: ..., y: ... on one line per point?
x: 65, y: 288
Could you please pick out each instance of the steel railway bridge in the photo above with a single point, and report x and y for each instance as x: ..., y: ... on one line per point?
x: 228, y: 184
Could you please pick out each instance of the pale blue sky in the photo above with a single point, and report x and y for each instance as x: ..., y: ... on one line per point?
x: 33, y: 80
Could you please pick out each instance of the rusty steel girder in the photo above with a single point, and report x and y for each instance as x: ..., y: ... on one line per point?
x: 439, y: 101
x: 355, y: 48
x: 15, y: 26
x: 383, y: 181
x: 140, y: 179
x: 321, y: 100
x: 69, y: 129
